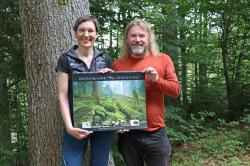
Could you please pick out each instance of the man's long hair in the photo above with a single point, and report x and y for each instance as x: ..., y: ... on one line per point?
x: 153, y: 46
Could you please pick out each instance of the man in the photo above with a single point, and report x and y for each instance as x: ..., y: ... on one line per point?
x: 140, y: 53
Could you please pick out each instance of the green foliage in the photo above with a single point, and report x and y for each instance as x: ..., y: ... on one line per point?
x: 100, y: 111
x: 17, y: 123
x: 109, y: 109
x: 6, y: 154
x: 13, y: 70
x: 108, y: 106
x: 182, y: 130
x: 224, y: 146
x: 176, y: 137
x: 246, y: 126
x: 223, y: 123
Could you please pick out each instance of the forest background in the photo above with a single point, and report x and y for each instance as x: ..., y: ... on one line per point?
x: 209, y: 42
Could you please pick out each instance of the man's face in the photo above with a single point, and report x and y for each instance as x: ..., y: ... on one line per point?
x: 138, y: 41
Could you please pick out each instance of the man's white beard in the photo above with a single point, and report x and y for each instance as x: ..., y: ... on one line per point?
x: 138, y: 50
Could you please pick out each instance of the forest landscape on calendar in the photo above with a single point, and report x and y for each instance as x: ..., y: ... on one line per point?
x: 109, y: 101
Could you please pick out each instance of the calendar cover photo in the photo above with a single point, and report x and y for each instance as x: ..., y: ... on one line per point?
x: 109, y: 101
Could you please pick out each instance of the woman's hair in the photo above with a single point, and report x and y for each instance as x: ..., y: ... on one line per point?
x: 86, y: 18
x: 153, y: 46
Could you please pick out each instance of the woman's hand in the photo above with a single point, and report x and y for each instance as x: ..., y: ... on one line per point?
x: 106, y: 70
x: 78, y: 133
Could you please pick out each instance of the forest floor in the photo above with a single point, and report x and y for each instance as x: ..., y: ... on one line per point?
x: 237, y: 159
x: 244, y: 160
x: 223, y: 147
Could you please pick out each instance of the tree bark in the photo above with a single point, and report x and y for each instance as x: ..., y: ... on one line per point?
x: 47, y: 33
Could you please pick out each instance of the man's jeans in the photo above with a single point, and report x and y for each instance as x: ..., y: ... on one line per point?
x: 138, y: 146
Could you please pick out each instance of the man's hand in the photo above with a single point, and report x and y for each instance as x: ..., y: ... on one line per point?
x: 122, y: 131
x: 152, y: 73
x: 79, y: 133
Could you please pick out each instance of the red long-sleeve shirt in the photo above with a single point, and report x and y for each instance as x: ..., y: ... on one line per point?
x: 167, y: 84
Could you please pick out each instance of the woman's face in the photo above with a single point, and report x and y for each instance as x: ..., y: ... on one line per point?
x: 86, y: 34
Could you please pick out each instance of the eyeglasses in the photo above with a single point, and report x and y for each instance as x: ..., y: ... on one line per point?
x: 83, y: 31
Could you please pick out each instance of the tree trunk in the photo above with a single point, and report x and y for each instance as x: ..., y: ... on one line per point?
x: 225, y: 56
x: 4, y: 112
x: 47, y: 32
x: 96, y: 92
x: 169, y: 35
x: 203, y: 79
x: 184, y: 72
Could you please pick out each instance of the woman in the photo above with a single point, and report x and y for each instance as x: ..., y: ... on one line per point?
x: 84, y: 57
